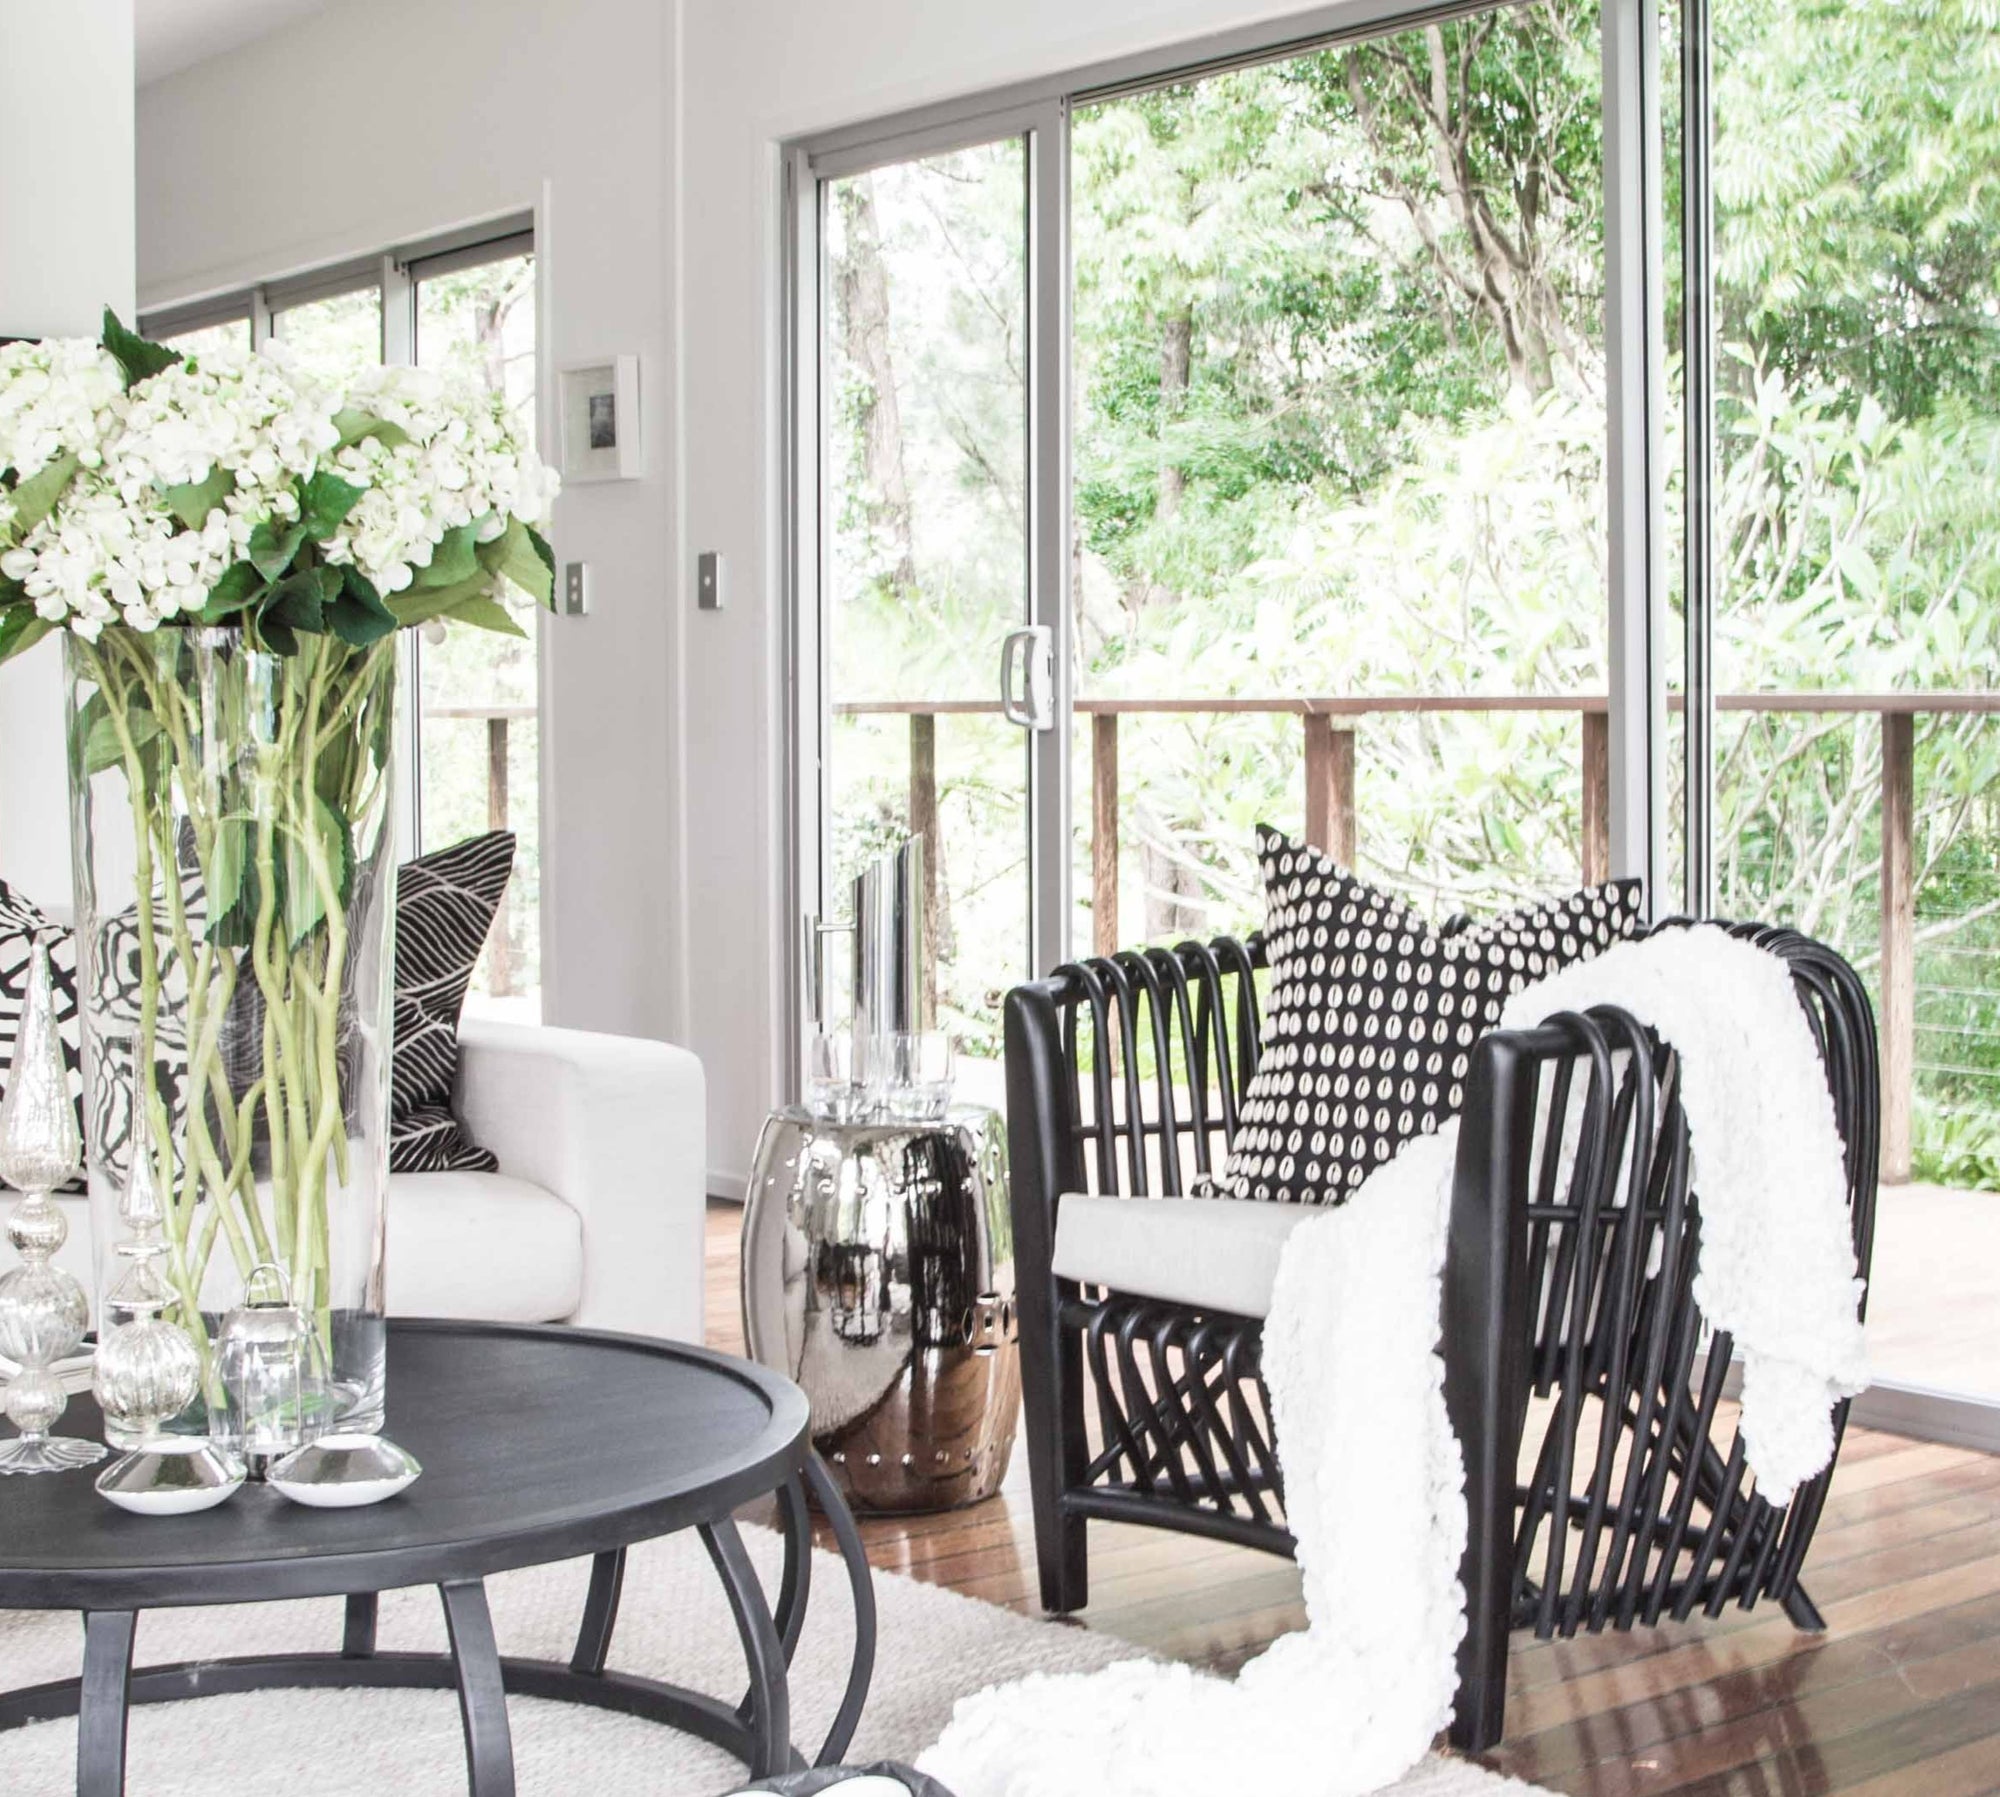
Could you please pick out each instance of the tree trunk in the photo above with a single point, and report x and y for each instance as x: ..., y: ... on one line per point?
x: 1170, y: 885
x: 862, y: 297
x: 1498, y: 272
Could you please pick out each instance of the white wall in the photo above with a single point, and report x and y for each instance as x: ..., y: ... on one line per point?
x: 663, y: 168
x: 379, y: 121
x: 66, y: 252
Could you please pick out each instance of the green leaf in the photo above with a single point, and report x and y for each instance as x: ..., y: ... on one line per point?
x: 275, y: 636
x: 299, y: 601
x: 305, y: 900
x: 139, y: 359
x: 514, y: 555
x: 419, y: 607
x: 36, y: 496
x: 233, y: 885
x: 484, y: 612
x: 193, y: 500
x: 237, y: 586
x: 353, y: 424
x: 325, y: 500
x: 271, y: 549
x: 102, y: 746
x: 20, y: 631
x: 455, y: 558
x: 356, y: 613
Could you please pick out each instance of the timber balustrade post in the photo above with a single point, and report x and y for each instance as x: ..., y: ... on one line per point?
x: 1899, y: 930
x: 1596, y: 797
x: 924, y: 823
x: 500, y: 966
x: 1104, y: 833
x: 1330, y: 787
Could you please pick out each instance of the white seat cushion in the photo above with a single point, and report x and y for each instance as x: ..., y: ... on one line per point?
x: 1214, y: 1253
x: 481, y: 1245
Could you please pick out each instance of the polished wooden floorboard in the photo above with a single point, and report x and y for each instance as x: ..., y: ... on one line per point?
x: 1900, y: 1695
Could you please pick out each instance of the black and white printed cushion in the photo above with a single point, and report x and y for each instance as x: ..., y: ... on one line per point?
x: 21, y: 922
x: 1373, y: 1015
x: 115, y: 1010
x: 444, y: 908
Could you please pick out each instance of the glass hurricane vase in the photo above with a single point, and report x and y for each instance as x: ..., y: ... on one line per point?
x: 232, y: 826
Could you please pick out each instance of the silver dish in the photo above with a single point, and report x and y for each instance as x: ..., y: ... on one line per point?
x: 171, y: 1476
x: 339, y: 1472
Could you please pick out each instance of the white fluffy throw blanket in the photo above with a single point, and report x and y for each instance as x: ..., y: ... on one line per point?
x: 1376, y: 1497
x: 1777, y: 1252
x: 1375, y: 1487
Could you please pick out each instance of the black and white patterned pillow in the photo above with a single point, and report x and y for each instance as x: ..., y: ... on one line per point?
x: 115, y: 1011
x: 1373, y: 1015
x: 444, y: 908
x: 20, y: 924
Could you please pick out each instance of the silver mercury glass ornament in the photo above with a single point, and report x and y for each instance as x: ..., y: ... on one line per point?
x: 43, y: 1313
x: 146, y: 1370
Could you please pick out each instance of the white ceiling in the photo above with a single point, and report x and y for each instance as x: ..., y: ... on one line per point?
x: 171, y: 35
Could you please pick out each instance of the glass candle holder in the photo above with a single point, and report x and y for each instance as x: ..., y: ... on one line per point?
x: 272, y: 1367
x: 918, y: 1074
x: 835, y: 1091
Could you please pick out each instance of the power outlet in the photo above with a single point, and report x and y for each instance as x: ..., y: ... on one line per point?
x: 576, y: 593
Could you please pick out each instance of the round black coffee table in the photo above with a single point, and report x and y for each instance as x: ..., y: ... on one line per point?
x: 537, y: 1445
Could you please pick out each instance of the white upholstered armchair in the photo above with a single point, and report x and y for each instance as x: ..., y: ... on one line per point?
x: 595, y: 1216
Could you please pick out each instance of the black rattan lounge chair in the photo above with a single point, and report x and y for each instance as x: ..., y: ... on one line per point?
x: 1124, y: 1076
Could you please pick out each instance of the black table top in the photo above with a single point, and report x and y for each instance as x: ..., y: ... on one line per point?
x: 537, y: 1444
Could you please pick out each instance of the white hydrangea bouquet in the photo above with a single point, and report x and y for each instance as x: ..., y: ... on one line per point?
x: 229, y: 548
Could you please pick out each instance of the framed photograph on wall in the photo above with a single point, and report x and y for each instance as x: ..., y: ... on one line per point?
x: 602, y: 435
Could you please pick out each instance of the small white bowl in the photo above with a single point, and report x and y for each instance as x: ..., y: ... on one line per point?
x: 171, y: 1476
x: 342, y: 1472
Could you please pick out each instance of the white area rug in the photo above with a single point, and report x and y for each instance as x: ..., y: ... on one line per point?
x: 935, y: 1647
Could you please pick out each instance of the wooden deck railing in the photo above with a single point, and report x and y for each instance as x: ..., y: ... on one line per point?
x: 1328, y: 727
x: 498, y: 718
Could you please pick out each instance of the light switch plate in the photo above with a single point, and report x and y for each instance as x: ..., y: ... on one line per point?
x: 708, y: 580
x: 576, y: 593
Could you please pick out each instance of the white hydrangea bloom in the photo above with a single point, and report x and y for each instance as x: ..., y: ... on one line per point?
x: 63, y: 395
x: 114, y: 550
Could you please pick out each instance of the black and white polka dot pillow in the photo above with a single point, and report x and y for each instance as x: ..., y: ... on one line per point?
x: 1373, y: 1014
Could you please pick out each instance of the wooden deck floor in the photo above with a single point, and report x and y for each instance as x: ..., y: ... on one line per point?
x: 1900, y: 1695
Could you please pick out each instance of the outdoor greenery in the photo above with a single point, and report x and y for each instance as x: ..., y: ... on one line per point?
x: 1340, y: 429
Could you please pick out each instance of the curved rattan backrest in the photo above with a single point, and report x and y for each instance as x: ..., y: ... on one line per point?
x: 1157, y: 1047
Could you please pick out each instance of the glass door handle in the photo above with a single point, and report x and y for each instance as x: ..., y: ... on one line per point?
x: 1028, y: 678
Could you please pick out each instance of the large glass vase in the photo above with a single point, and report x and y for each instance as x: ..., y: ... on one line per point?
x: 233, y: 836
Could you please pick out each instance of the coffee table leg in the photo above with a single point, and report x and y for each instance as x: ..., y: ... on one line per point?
x: 795, y: 1588
x: 861, y: 1583
x: 102, y: 1704
x: 600, y: 1614
x: 770, y: 1695
x: 482, y: 1695
x: 357, y: 1638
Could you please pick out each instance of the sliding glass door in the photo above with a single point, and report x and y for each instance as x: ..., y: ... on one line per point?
x: 920, y: 453
x: 1257, y: 423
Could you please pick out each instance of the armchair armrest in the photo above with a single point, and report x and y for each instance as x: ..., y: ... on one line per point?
x: 615, y: 1127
